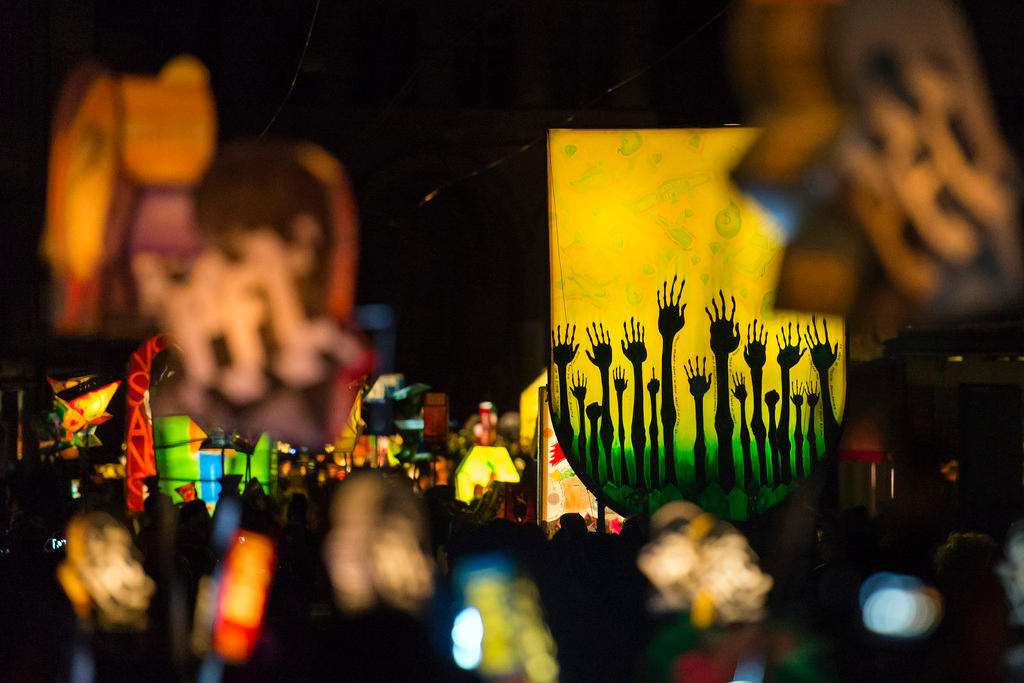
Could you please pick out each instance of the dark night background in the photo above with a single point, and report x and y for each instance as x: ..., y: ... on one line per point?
x: 410, y: 95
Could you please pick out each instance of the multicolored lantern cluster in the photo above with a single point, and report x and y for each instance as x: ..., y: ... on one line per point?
x: 255, y: 247
x: 186, y: 470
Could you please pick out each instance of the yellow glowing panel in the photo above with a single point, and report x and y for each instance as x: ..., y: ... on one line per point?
x: 528, y: 410
x: 83, y: 168
x: 483, y: 465
x: 638, y: 355
x: 169, y: 129
x: 350, y: 433
x: 93, y: 404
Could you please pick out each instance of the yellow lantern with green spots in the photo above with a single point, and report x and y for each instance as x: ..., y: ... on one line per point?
x: 672, y: 375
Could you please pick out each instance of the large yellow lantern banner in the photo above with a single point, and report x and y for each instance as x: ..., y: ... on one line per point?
x: 672, y: 375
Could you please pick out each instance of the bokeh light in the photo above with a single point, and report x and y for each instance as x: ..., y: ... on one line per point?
x: 467, y: 634
x: 899, y: 606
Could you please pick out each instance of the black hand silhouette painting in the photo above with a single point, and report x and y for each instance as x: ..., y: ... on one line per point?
x: 742, y: 437
x: 725, y: 338
x: 619, y: 375
x: 699, y: 385
x: 670, y: 322
x: 732, y: 411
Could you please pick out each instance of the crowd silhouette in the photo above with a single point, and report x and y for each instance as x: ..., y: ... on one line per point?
x: 771, y: 456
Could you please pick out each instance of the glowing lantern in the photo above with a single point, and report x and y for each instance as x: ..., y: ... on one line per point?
x: 102, y: 575
x: 176, y: 442
x: 245, y: 584
x: 484, y: 431
x: 349, y: 435
x: 500, y: 631
x: 87, y: 407
x: 374, y: 551
x: 83, y: 170
x: 882, y: 153
x: 262, y: 463
x: 435, y: 418
x: 140, y: 458
x: 126, y: 152
x: 179, y: 458
x: 169, y: 125
x: 187, y: 492
x: 664, y: 275
x: 252, y: 315
x: 79, y: 406
x: 481, y: 466
x: 700, y: 564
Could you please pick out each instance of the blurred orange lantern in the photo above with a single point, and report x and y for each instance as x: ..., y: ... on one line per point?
x: 118, y: 142
x: 242, y: 601
x: 169, y: 126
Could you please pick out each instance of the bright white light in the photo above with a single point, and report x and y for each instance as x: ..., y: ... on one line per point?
x: 467, y: 634
x: 468, y: 630
x: 890, y: 611
x: 899, y: 606
x: 467, y: 659
x: 1011, y: 572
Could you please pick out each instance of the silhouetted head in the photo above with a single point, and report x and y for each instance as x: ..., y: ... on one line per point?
x: 443, y: 492
x: 636, y: 531
x: 572, y: 524
x: 158, y: 504
x: 965, y: 557
x: 194, y: 514
x: 254, y: 495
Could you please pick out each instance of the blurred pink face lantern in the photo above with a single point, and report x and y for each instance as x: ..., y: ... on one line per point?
x: 257, y: 316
